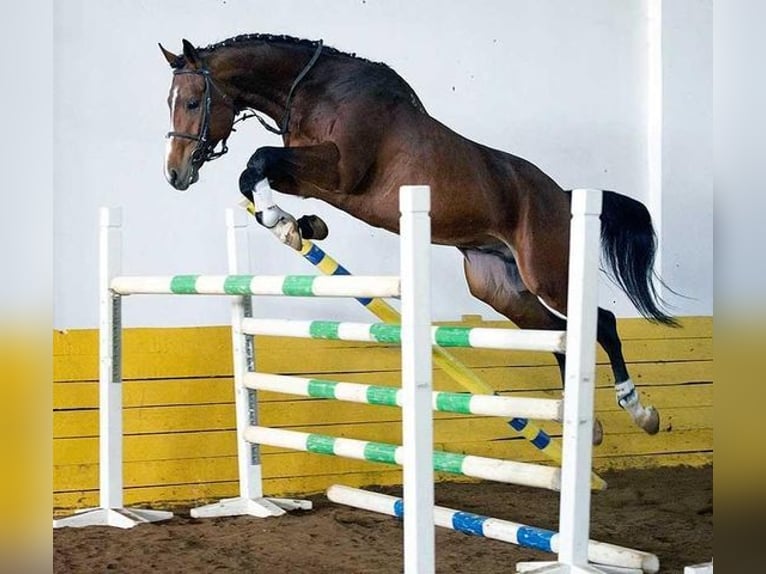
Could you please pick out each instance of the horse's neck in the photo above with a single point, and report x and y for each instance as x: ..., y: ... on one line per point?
x: 260, y: 76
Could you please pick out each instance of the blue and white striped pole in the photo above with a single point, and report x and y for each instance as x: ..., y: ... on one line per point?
x: 497, y: 529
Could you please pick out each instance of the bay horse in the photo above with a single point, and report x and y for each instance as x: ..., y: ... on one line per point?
x: 354, y: 131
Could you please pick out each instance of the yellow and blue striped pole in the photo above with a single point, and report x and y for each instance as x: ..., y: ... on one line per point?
x: 442, y: 358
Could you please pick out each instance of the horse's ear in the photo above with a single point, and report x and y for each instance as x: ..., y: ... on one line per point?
x: 190, y: 53
x: 172, y: 59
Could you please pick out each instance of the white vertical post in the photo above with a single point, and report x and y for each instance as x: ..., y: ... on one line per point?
x: 582, y: 316
x: 110, y: 512
x: 417, y: 423
x: 250, y: 501
x: 249, y: 456
x: 110, y: 360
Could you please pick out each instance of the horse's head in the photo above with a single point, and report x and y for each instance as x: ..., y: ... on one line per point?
x: 201, y: 116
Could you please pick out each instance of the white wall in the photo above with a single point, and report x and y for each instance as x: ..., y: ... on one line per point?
x: 683, y: 204
x: 561, y: 83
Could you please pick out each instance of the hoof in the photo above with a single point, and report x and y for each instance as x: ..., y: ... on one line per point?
x: 312, y: 227
x: 649, y: 420
x: 598, y: 432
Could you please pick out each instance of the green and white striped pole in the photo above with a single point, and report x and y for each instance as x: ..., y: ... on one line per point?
x: 442, y: 401
x: 475, y: 337
x: 508, y: 471
x: 277, y: 285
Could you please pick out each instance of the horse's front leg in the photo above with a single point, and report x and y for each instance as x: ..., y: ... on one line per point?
x: 295, y: 171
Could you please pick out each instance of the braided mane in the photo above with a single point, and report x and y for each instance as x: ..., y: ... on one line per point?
x: 246, y: 39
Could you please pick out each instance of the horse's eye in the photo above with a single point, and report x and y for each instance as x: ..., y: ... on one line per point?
x: 192, y: 104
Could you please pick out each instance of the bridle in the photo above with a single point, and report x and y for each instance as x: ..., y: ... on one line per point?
x: 205, y: 151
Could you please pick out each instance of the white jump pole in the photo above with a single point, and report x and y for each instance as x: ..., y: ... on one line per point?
x: 110, y: 512
x: 250, y: 501
x: 417, y: 421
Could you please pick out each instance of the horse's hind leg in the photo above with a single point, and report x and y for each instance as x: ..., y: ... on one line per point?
x: 493, y: 277
x: 627, y: 394
x: 647, y: 418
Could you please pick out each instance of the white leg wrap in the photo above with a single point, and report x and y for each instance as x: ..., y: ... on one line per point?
x: 279, y: 222
x: 627, y: 398
x: 264, y: 203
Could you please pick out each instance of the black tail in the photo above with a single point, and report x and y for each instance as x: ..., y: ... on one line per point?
x: 628, y: 245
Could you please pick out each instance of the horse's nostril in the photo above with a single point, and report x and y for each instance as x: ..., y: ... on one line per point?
x: 173, y: 176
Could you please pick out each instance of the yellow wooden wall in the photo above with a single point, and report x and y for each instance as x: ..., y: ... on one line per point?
x: 179, y: 444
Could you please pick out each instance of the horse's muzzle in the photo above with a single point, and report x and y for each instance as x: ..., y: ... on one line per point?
x: 182, y: 179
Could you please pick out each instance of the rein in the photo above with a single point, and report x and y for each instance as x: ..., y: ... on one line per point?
x: 283, y: 127
x: 204, y: 150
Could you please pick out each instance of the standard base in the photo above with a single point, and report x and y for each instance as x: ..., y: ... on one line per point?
x: 258, y: 507
x: 706, y: 568
x: 117, y: 517
x: 558, y: 568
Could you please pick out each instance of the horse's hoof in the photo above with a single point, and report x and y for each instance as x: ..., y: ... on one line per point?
x: 649, y: 420
x: 312, y: 227
x: 598, y: 432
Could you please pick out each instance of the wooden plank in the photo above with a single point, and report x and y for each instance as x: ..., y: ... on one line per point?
x: 195, y: 351
x: 614, y: 445
x: 83, y: 423
x: 669, y: 396
x: 162, y: 472
x: 698, y: 459
x: 673, y: 402
x: 147, y: 393
x: 168, y: 472
x: 691, y: 326
x: 530, y: 380
x: 355, y: 360
x: 215, y: 443
x: 678, y: 441
x: 149, y: 447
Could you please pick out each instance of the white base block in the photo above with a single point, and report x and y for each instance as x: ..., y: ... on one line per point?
x: 557, y: 568
x: 706, y: 568
x: 258, y: 507
x: 117, y: 517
